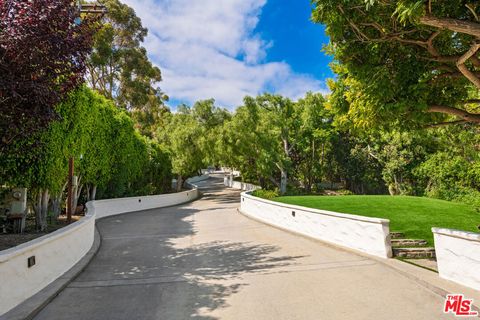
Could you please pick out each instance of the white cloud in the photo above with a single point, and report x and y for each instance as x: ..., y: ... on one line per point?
x: 208, y: 49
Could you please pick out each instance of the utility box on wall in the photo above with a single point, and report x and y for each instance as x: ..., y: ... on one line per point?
x: 18, y: 201
x: 18, y: 208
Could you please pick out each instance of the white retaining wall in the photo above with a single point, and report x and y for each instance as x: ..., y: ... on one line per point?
x: 369, y: 235
x: 57, y: 252
x: 229, y: 182
x: 54, y: 253
x: 458, y: 256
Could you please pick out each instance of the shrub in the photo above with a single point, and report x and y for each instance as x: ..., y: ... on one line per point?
x: 265, y: 194
x: 345, y: 192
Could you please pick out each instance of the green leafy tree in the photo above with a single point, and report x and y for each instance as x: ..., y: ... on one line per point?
x: 240, y: 146
x: 312, y: 140
x: 452, y: 170
x: 404, y: 62
x: 119, y: 67
x: 181, y: 139
x: 210, y: 119
x: 260, y: 136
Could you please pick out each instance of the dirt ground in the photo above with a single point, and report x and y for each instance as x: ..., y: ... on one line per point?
x: 9, y: 240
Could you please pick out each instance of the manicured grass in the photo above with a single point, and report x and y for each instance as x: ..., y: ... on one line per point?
x: 414, y: 216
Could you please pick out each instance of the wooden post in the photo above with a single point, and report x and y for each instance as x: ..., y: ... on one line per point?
x: 70, y: 190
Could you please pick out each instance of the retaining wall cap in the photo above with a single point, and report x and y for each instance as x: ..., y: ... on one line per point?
x: 247, y: 194
x: 142, y: 197
x: 457, y: 234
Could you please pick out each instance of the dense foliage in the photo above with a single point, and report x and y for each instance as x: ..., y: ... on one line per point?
x: 110, y: 156
x: 119, y: 67
x: 405, y: 68
x: 403, y: 62
x: 302, y: 147
x: 190, y: 137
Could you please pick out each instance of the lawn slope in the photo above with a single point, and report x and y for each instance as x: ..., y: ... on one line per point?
x: 415, y: 216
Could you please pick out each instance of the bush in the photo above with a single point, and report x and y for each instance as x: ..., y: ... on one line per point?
x: 345, y: 192
x: 265, y: 194
x: 456, y: 193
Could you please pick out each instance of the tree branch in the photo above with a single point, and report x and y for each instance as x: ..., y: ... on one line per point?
x: 461, y: 26
x: 463, y: 68
x: 471, y: 101
x: 443, y: 124
x: 465, y: 115
x: 430, y: 47
x: 472, y: 10
x: 475, y: 61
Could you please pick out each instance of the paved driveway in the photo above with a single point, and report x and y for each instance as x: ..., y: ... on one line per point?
x: 204, y: 260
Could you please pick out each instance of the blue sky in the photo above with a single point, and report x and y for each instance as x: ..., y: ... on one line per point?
x: 296, y: 40
x: 226, y: 49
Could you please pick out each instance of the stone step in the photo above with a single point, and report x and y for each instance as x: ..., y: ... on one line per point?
x: 414, y: 253
x: 408, y: 242
x: 397, y: 235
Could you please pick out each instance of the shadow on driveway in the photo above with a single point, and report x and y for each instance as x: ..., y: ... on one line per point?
x: 148, y: 267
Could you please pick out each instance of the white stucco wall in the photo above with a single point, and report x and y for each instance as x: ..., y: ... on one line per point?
x: 458, y: 256
x: 369, y: 235
x: 57, y: 252
x: 196, y: 179
x: 110, y: 207
x: 54, y: 253
x: 228, y: 182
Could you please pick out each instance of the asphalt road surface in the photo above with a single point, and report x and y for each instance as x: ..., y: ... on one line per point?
x: 204, y: 260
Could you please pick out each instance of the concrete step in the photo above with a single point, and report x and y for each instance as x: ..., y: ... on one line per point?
x: 414, y: 253
x: 409, y: 242
x: 397, y: 235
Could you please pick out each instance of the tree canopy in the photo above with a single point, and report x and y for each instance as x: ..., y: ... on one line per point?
x: 408, y: 61
x: 118, y: 66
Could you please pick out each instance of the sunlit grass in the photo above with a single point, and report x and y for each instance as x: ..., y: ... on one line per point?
x: 414, y: 216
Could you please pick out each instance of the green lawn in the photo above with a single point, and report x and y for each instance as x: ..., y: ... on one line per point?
x: 415, y: 216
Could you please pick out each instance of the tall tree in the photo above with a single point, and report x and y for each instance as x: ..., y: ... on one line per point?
x: 312, y: 139
x: 119, y: 67
x: 279, y: 123
x: 414, y: 61
x: 181, y: 139
x: 210, y: 119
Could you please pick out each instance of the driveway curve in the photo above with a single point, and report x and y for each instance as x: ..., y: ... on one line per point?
x: 204, y: 260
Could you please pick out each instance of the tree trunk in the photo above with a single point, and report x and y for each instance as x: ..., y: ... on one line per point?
x: 283, y: 170
x: 41, y: 209
x: 56, y: 206
x: 283, y: 182
x: 37, y: 207
x: 45, y: 201
x: 77, y: 191
x: 57, y: 202
x: 93, y: 192
x: 179, y: 183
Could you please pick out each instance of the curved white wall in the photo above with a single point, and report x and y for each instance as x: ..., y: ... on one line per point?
x: 57, y: 252
x: 369, y: 235
x: 111, y: 207
x: 54, y: 253
x: 458, y: 256
x: 228, y: 182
